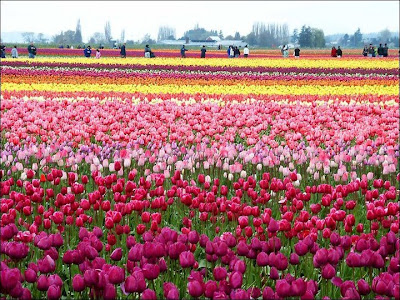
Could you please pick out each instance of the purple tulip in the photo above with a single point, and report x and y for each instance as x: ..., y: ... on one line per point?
x: 54, y: 292
x: 42, y: 283
x: 283, y: 288
x: 170, y: 291
x: 363, y: 287
x: 320, y: 258
x: 186, y: 259
x: 254, y: 292
x: 116, y: 275
x: 294, y: 259
x: 281, y: 262
x: 351, y: 293
x: 219, y: 273
x: 91, y: 277
x: 149, y: 294
x: 299, y: 287
x: 268, y: 293
x: 109, y: 293
x: 236, y: 280
x: 273, y: 226
x: 335, y: 239
x: 151, y: 271
x: 30, y: 275
x: 345, y: 286
x: 239, y: 265
x: 262, y: 259
x: 116, y: 255
x: 195, y: 288
x: 353, y: 260
x: 239, y: 294
x: 55, y: 280
x: 17, y: 290
x: 273, y: 274
x: 193, y: 237
x: 136, y: 252
x: 220, y: 295
x: 78, y: 283
x: 328, y: 271
x: 301, y: 248
x: 242, y: 249
x: 209, y: 288
x: 46, y: 265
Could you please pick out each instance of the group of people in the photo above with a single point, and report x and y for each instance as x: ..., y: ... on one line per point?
x: 371, y: 51
x: 336, y: 52
x: 14, y: 51
x: 285, y: 51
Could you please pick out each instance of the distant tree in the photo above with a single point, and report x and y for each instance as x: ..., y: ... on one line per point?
x: 237, y: 36
x: 229, y: 37
x: 28, y: 36
x: 78, y: 33
x: 385, y: 36
x: 317, y: 38
x: 97, y: 38
x: 251, y: 39
x: 166, y: 33
x: 295, y: 36
x: 148, y: 40
x: 107, y: 32
x: 344, y: 41
x: 198, y: 33
x: 40, y: 38
x: 357, y: 38
x: 305, y: 36
x: 221, y: 35
x: 122, y: 36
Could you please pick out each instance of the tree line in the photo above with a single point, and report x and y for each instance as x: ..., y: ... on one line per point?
x: 262, y: 35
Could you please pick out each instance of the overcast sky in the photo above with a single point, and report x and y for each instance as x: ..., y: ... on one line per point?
x: 141, y: 17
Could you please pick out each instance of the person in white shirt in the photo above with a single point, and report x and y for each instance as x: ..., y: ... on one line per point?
x: 14, y: 52
x: 246, y: 51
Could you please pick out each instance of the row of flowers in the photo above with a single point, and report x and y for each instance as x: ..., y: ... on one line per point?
x: 263, y: 63
x: 49, y: 75
x: 95, y: 67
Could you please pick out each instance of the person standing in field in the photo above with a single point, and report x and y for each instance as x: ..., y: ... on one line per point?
x: 371, y: 51
x: 365, y: 51
x: 380, y: 50
x: 339, y: 52
x: 231, y: 52
x: 32, y: 50
x: 98, y: 54
x: 297, y: 53
x: 203, y: 52
x: 385, y: 51
x: 123, y: 51
x: 14, y: 52
x: 183, y: 51
x: 3, y: 51
x: 87, y: 52
x: 333, y: 52
x: 236, y: 51
x: 246, y: 51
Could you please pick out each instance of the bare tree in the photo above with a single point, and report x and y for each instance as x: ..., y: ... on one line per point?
x: 166, y: 33
x: 78, y: 32
x: 28, y: 36
x: 122, y: 36
x: 107, y: 31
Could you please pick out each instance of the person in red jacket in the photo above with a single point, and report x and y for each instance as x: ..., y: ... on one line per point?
x: 333, y: 52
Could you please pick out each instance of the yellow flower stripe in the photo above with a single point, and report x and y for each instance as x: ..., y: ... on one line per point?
x: 265, y: 62
x: 209, y: 89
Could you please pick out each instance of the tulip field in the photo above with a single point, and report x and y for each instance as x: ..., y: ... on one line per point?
x: 217, y: 178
